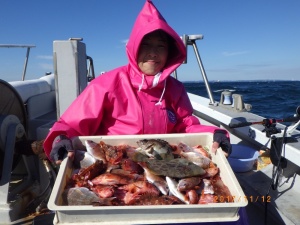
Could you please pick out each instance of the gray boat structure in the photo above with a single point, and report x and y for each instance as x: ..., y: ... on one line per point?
x: 28, y: 109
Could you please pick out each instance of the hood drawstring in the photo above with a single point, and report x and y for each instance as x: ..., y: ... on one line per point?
x: 141, y: 85
x: 154, y: 84
x: 160, y: 99
x: 155, y: 80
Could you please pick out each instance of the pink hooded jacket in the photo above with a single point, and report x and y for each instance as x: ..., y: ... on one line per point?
x: 124, y: 101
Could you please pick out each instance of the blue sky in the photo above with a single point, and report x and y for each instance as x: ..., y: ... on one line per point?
x: 243, y: 40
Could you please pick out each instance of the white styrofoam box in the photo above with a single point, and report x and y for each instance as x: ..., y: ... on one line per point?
x: 113, y: 215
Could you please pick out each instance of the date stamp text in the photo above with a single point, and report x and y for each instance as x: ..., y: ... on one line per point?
x: 246, y: 198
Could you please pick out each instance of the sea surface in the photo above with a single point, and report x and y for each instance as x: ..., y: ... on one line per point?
x: 269, y: 99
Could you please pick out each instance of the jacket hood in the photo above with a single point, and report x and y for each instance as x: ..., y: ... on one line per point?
x: 149, y: 20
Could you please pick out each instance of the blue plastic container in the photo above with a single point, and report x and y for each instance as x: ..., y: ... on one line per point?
x: 242, y: 158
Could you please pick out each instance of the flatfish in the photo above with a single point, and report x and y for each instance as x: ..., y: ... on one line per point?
x: 175, y: 168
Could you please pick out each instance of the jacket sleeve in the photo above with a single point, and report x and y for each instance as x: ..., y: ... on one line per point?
x: 82, y: 117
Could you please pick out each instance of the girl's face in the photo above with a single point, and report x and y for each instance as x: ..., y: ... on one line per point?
x: 153, y: 53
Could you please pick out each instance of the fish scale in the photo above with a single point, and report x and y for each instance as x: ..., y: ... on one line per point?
x: 175, y: 168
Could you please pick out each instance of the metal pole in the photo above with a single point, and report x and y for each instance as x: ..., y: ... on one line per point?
x: 90, y: 69
x: 25, y: 64
x: 203, y: 72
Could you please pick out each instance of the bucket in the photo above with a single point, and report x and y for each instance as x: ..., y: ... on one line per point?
x: 242, y: 158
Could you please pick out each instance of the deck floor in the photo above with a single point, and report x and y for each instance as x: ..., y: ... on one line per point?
x: 283, y: 207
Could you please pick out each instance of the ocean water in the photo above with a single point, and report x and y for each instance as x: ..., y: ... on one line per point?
x: 269, y: 99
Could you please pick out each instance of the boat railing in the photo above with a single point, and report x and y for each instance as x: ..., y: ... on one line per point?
x: 26, y: 57
x: 91, y: 70
x: 238, y: 103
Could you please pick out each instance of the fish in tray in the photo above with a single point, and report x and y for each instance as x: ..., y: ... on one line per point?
x: 148, y: 199
x: 154, y: 173
x: 95, y: 150
x: 188, y: 183
x: 156, y: 148
x: 175, y: 168
x: 83, y: 196
x: 107, y: 153
x: 197, y: 155
x: 182, y: 147
x: 174, y: 190
x: 158, y: 181
x: 197, y: 159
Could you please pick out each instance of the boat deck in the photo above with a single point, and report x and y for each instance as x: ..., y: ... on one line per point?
x: 282, y: 208
x: 282, y: 205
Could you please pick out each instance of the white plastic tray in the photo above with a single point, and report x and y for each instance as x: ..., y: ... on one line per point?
x: 113, y: 215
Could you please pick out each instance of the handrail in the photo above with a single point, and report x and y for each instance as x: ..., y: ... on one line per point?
x: 203, y: 72
x: 91, y: 71
x: 26, y: 57
x: 16, y: 46
x: 191, y: 40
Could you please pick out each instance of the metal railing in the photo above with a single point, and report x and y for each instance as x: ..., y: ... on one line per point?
x: 26, y: 57
x: 191, y: 40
